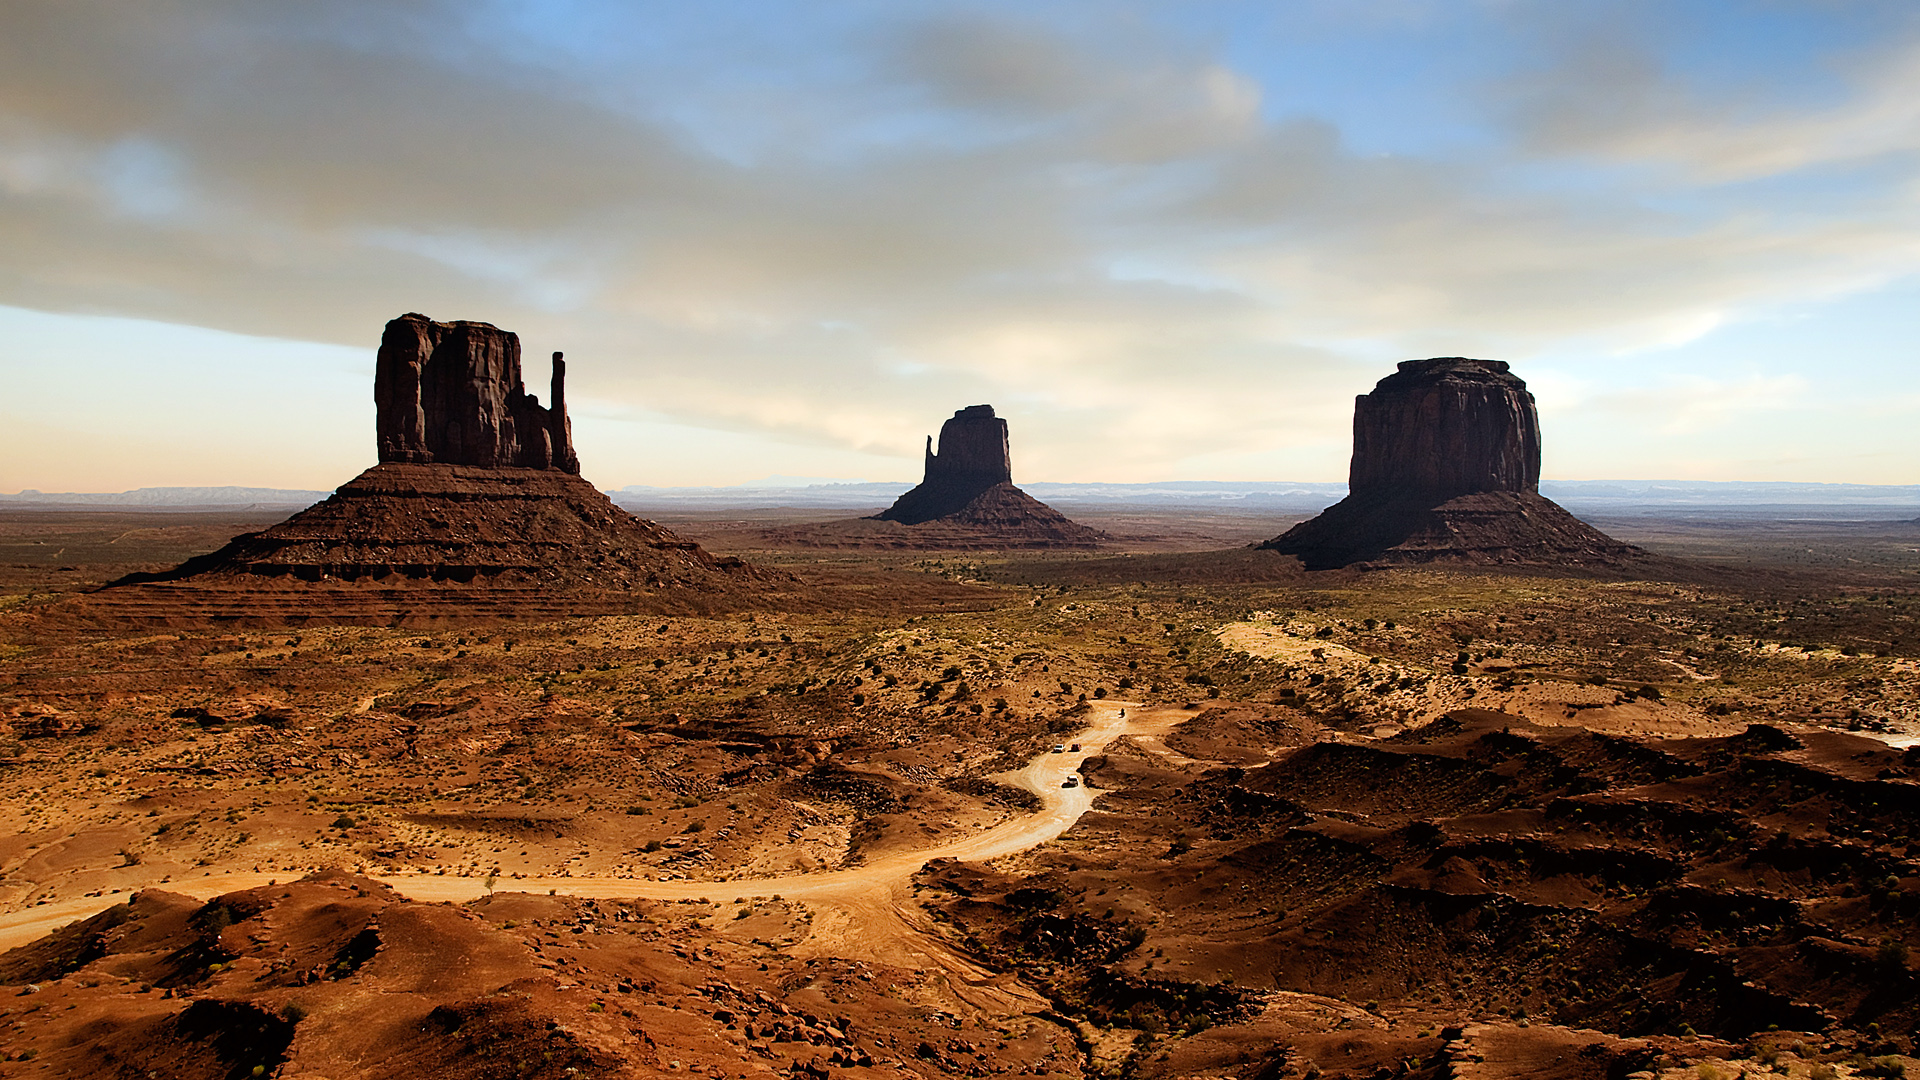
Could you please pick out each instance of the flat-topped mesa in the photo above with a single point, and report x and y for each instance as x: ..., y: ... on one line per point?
x: 974, y: 456
x: 1446, y: 468
x: 1443, y: 427
x: 451, y: 394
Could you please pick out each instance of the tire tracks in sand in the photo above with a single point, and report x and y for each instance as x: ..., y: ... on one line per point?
x: 864, y: 912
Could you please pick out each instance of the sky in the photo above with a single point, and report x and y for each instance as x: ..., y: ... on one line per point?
x: 789, y: 237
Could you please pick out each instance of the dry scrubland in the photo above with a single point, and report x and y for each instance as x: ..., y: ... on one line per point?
x: 1406, y: 823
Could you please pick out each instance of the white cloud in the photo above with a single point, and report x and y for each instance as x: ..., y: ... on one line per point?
x: 1102, y: 232
x: 1612, y: 97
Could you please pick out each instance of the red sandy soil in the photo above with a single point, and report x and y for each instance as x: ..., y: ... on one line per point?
x: 1341, y: 862
x: 1529, y: 887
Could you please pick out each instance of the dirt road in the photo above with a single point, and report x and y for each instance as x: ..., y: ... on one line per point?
x: 860, y: 913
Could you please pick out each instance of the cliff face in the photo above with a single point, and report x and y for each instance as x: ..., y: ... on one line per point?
x: 451, y: 394
x: 1446, y: 468
x: 1444, y: 427
x: 973, y: 450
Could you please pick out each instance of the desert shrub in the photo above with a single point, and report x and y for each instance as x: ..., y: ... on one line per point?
x: 1891, y: 957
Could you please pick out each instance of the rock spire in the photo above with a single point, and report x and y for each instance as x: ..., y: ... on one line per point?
x: 966, y: 501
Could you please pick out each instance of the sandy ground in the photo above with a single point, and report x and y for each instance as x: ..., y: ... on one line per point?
x: 855, y: 904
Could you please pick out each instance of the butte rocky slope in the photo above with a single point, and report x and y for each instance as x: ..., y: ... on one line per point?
x: 1446, y: 467
x: 476, y: 505
x: 967, y: 501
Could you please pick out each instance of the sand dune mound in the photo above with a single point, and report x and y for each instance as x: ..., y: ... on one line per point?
x: 1483, y: 871
x: 410, y: 543
x: 1000, y: 518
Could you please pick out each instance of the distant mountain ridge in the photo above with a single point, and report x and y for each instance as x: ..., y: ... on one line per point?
x: 1299, y: 496
x: 1729, y: 492
x: 1281, y: 496
x: 172, y: 498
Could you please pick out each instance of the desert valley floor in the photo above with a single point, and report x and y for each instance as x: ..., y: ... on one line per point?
x: 1413, y: 822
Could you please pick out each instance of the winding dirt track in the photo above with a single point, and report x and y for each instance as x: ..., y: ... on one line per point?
x: 860, y: 913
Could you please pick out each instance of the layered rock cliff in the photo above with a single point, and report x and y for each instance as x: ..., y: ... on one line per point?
x: 1446, y: 468
x: 451, y: 394
x: 1444, y: 427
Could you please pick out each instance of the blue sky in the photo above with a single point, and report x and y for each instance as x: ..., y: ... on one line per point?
x: 1166, y: 240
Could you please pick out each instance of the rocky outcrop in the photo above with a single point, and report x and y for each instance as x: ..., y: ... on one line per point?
x: 1446, y: 468
x: 399, y: 524
x: 974, y: 456
x: 966, y: 501
x: 1444, y: 427
x: 451, y: 394
x: 476, y: 501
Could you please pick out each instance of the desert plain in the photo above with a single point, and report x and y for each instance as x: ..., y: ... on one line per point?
x: 1407, y: 822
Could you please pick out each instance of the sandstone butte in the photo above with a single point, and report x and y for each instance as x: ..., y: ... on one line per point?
x: 967, y: 501
x: 476, y: 502
x: 1446, y: 468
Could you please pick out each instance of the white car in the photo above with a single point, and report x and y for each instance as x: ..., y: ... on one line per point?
x: 1071, y: 781
x: 1059, y: 748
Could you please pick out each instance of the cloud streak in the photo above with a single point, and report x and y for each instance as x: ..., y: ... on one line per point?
x: 1114, y: 233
